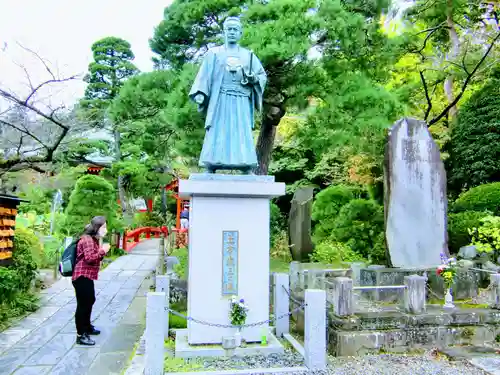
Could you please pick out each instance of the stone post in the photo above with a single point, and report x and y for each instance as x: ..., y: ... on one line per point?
x: 315, y: 330
x: 495, y: 290
x: 356, y: 272
x: 311, y: 279
x: 342, y: 296
x: 163, y: 286
x: 415, y: 294
x: 281, y: 303
x: 155, y: 308
x: 294, y: 275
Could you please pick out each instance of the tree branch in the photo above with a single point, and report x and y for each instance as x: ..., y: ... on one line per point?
x: 466, y: 83
x: 429, y: 102
x: 25, y: 132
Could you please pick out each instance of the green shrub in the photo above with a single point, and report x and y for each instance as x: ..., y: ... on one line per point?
x: 181, y: 269
x: 475, y: 140
x: 480, y: 198
x: 326, y: 207
x: 92, y: 196
x: 458, y: 228
x: 486, y: 236
x: 360, y: 225
x: 328, y: 252
x: 27, y: 251
x: 277, y: 225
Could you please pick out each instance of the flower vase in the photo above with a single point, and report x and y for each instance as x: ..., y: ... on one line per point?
x: 237, y: 337
x: 448, y: 300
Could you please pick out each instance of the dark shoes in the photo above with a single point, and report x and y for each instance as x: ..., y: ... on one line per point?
x: 84, y: 340
x: 94, y: 331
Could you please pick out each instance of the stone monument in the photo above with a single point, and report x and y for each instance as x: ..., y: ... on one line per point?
x: 229, y: 214
x: 299, y: 224
x: 415, y: 197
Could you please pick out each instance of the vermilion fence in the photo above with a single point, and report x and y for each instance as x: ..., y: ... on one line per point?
x: 133, y: 237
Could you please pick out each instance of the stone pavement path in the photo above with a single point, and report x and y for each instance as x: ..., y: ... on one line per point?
x: 44, y: 342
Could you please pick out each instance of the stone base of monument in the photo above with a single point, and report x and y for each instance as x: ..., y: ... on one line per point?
x: 229, y: 238
x: 184, y: 350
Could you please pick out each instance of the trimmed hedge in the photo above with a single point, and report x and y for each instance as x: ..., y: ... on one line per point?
x: 480, y: 198
x: 458, y: 225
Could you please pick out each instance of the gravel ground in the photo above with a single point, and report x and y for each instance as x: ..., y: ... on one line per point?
x: 367, y: 365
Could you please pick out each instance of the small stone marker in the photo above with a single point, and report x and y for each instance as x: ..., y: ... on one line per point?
x: 299, y: 224
x: 495, y: 290
x: 163, y: 286
x: 415, y: 196
x: 414, y: 296
x: 155, y: 309
x: 294, y: 275
x: 281, y: 303
x: 315, y: 330
x: 342, y: 296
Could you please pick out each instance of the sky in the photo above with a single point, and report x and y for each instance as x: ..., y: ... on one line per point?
x: 62, y: 32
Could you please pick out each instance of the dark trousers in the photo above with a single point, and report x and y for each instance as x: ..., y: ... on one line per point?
x: 85, y: 298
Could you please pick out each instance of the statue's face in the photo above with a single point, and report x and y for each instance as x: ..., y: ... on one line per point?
x: 232, y: 31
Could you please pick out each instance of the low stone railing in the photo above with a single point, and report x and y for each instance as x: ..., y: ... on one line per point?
x: 341, y: 295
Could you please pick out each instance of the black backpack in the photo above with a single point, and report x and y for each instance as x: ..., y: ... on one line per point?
x: 68, y: 259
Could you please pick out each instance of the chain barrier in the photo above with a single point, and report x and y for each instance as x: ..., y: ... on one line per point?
x: 294, y: 300
x: 188, y: 318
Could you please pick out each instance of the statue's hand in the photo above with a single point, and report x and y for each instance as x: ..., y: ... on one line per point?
x: 252, y: 79
x: 199, y: 99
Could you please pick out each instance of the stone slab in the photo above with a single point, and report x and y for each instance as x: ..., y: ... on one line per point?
x: 415, y: 196
x: 53, y: 351
x: 109, y: 363
x: 277, y: 370
x: 12, y: 359
x: 488, y: 364
x: 229, y: 177
x: 32, y: 370
x: 123, y: 338
x: 184, y: 350
x: 11, y: 336
x: 189, y: 188
x: 76, y: 362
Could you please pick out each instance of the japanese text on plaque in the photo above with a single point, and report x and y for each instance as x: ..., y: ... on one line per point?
x: 229, y: 262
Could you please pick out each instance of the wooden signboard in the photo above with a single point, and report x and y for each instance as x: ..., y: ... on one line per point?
x: 8, y: 212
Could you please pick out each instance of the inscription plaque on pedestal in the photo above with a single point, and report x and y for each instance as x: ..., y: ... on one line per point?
x: 229, y: 263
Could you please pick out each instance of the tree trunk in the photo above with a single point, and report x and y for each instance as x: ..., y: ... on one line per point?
x: 118, y: 157
x: 452, y: 55
x: 271, y: 117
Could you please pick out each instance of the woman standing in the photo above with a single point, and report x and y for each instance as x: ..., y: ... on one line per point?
x: 89, y: 254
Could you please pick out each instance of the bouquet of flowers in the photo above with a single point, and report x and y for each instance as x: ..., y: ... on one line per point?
x: 447, y: 270
x: 238, y: 312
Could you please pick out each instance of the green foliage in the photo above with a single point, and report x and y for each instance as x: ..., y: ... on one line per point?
x: 93, y: 196
x: 27, y: 252
x: 181, y: 269
x: 326, y: 208
x: 475, y: 140
x: 328, y: 252
x: 110, y: 68
x: 458, y: 228
x: 486, y: 237
x: 480, y: 198
x: 360, y: 225
x: 148, y: 219
x: 39, y: 200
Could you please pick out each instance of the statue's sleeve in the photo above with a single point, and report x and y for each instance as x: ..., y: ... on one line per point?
x: 203, y: 81
x: 260, y: 85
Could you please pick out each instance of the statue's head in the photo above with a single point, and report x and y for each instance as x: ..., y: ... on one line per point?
x: 232, y: 30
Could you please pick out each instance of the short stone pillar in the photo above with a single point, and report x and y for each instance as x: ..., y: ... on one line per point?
x: 294, y: 275
x: 315, y: 330
x: 342, y: 296
x: 163, y: 286
x: 356, y: 272
x: 281, y: 303
x: 415, y: 294
x: 495, y: 290
x: 155, y: 341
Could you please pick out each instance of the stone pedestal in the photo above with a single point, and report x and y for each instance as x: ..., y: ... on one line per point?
x: 228, y: 251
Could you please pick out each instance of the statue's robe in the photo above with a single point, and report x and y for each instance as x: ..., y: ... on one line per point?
x: 229, y: 106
